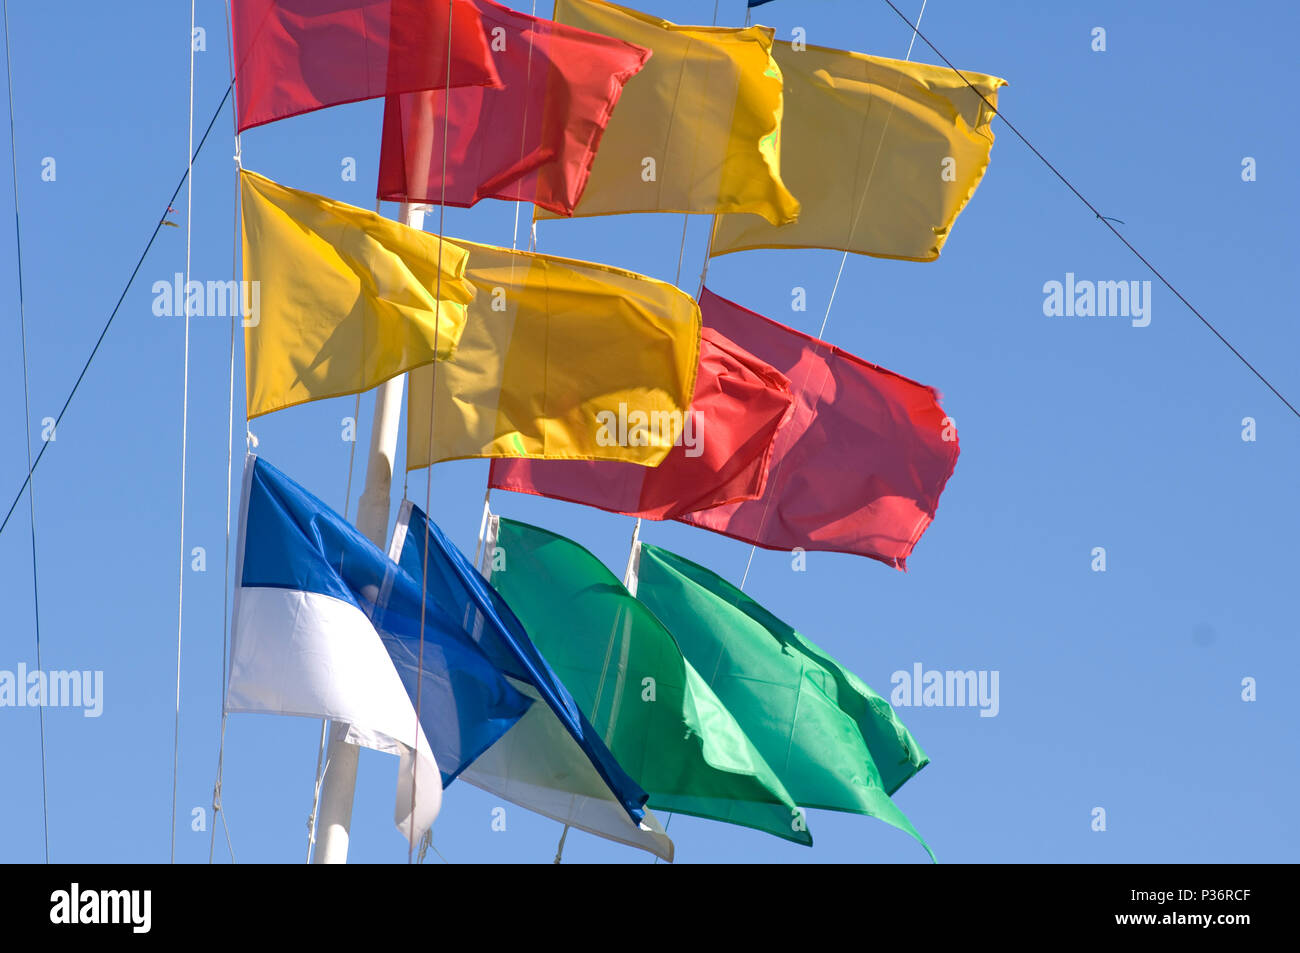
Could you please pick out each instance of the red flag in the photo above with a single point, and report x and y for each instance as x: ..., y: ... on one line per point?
x: 532, y: 139
x: 293, y: 56
x: 739, y: 406
x: 861, y: 463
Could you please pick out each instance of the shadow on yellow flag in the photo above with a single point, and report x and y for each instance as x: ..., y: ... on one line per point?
x: 338, y: 299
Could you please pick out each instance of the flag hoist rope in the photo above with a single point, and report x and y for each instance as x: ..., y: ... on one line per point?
x: 324, y: 725
x: 433, y: 400
x: 230, y: 436
x: 185, y: 420
x: 821, y: 333
x: 523, y: 136
x: 27, y: 428
x: 862, y: 202
x: 218, y: 806
x: 514, y: 246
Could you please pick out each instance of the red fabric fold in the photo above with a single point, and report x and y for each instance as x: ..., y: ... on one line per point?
x: 533, y: 138
x: 860, y: 465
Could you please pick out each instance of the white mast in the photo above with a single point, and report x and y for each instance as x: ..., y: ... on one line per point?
x: 340, y: 782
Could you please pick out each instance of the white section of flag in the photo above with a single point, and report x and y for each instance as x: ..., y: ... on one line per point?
x: 303, y: 653
x: 538, y: 765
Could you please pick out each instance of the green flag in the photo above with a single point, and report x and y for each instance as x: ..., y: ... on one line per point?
x: 656, y: 714
x: 833, y: 742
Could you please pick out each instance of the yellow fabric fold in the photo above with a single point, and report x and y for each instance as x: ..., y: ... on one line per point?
x: 882, y: 154
x: 697, y: 130
x: 559, y: 359
x: 338, y: 299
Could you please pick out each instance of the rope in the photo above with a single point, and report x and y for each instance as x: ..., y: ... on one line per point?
x: 482, y: 526
x: 677, y: 280
x: 320, y: 779
x: 1101, y: 218
x: 677, y: 277
x: 226, y: 827
x: 352, y: 456
x: 750, y: 562
x: 218, y: 808
x: 230, y: 462
x: 523, y: 133
x: 426, y: 842
x: 668, y: 823
x: 428, y: 491
x: 27, y: 422
x: 821, y: 333
x: 185, y: 421
x: 870, y: 175
x: 514, y: 246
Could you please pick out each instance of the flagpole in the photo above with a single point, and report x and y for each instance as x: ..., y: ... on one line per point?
x: 339, y: 785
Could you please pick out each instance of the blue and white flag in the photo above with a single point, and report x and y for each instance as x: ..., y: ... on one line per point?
x: 328, y: 626
x: 321, y: 613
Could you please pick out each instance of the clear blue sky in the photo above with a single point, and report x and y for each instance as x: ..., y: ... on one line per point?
x: 1119, y: 690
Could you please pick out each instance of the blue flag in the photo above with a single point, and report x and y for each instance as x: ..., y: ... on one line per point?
x: 495, y: 631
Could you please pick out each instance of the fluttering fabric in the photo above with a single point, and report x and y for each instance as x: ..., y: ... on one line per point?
x: 655, y: 712
x: 341, y: 299
x: 532, y: 139
x: 295, y: 56
x: 306, y: 639
x: 468, y: 619
x: 861, y: 463
x: 551, y: 760
x: 559, y: 359
x: 722, y: 456
x: 834, y: 743
x: 882, y: 154
x: 697, y: 130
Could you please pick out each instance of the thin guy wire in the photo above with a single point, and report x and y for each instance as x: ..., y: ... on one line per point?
x: 27, y: 423
x: 1101, y: 218
x: 117, y: 307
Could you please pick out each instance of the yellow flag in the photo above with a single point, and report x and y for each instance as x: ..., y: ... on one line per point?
x: 559, y: 359
x: 343, y: 298
x: 697, y: 130
x: 883, y: 155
